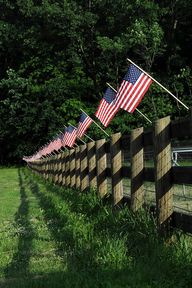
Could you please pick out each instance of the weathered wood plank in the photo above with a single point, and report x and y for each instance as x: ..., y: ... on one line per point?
x: 63, y: 159
x: 116, y: 166
x: 181, y: 128
x: 67, y: 169
x: 182, y: 221
x: 101, y: 167
x: 72, y: 168
x: 182, y: 175
x: 77, y: 167
x: 91, y: 154
x: 137, y: 169
x: 163, y: 179
x: 83, y: 168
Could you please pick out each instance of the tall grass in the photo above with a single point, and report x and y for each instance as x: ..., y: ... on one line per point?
x: 94, y: 245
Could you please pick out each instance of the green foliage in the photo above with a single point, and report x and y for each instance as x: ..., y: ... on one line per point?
x: 56, y: 57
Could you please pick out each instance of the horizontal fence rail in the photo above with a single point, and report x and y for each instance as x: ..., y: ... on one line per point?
x: 118, y: 167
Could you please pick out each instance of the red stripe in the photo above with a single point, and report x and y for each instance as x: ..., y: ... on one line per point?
x: 130, y: 96
x: 83, y: 126
x: 112, y: 110
x: 136, y: 93
x: 106, y: 112
x: 132, y: 109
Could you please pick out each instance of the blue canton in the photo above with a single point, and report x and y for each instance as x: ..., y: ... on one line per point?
x: 70, y: 129
x: 83, y: 117
x: 60, y: 137
x: 109, y: 95
x: 132, y: 75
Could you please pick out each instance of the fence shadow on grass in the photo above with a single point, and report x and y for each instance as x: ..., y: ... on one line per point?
x: 64, y: 237
x: 82, y: 271
x: 20, y: 261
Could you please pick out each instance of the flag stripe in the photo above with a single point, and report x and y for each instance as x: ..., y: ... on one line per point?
x: 108, y: 116
x: 83, y: 125
x: 107, y: 107
x: 132, y: 89
x: 139, y: 97
x: 135, y: 92
x: 70, y: 136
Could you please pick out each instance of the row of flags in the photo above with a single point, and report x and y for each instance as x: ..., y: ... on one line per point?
x: 65, y: 139
x: 132, y: 89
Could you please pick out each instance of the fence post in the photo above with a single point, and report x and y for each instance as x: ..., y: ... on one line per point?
x: 91, y: 154
x: 63, y: 168
x: 116, y: 168
x: 72, y: 168
x: 41, y: 172
x: 57, y: 168
x: 77, y: 167
x: 67, y: 169
x: 163, y: 181
x: 44, y: 167
x: 137, y: 169
x: 50, y: 169
x: 47, y: 169
x: 60, y: 169
x: 83, y: 168
x: 39, y: 167
x: 101, y: 167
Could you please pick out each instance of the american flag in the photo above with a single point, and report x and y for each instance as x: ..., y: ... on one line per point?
x: 132, y: 89
x: 58, y: 142
x: 84, y: 122
x: 44, y: 150
x: 54, y: 145
x: 107, y: 107
x: 70, y: 136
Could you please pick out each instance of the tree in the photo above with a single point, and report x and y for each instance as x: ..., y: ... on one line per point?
x: 56, y: 56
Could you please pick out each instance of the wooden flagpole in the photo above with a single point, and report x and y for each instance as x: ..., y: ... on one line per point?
x: 135, y: 109
x: 96, y: 123
x: 84, y: 135
x: 159, y: 84
x: 88, y: 137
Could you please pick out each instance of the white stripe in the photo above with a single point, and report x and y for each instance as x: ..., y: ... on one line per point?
x: 135, y: 94
x: 139, y: 95
x: 129, y: 91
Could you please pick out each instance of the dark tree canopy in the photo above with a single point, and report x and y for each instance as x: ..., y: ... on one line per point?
x: 56, y: 57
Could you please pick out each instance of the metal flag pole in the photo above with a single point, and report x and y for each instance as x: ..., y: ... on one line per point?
x: 135, y: 109
x: 159, y: 84
x: 96, y: 123
x: 84, y: 135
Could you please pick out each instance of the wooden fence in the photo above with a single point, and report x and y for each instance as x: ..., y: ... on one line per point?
x: 100, y: 163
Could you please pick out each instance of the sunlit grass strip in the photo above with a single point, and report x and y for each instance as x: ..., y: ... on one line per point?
x: 68, y: 239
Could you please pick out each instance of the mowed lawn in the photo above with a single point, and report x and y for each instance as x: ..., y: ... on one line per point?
x: 56, y: 237
x: 27, y: 248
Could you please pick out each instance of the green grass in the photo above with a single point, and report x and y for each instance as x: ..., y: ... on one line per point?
x: 56, y: 237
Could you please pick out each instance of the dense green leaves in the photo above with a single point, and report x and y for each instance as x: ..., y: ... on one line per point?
x: 56, y: 57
